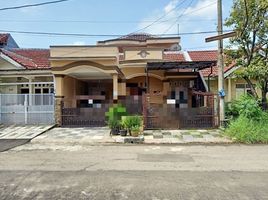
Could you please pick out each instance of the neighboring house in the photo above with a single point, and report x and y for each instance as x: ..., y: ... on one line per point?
x: 6, y: 41
x: 26, y: 84
x: 25, y: 71
x: 234, y: 87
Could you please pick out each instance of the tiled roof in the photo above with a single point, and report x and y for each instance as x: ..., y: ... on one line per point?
x: 210, y: 55
x: 29, y: 58
x: 207, y: 71
x: 137, y: 37
x: 205, y: 55
x: 174, y: 56
x: 3, y: 38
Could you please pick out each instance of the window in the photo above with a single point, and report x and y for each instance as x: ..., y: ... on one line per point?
x: 24, y: 90
x: 242, y: 89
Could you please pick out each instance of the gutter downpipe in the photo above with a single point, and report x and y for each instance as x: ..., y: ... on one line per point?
x: 211, y: 72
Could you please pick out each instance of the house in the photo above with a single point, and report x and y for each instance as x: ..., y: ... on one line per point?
x: 26, y: 84
x: 146, y: 74
x: 7, y: 41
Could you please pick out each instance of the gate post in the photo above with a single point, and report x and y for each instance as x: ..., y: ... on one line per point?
x: 25, y: 109
x: 58, y: 109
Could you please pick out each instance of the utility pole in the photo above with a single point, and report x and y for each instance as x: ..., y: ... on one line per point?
x: 220, y: 64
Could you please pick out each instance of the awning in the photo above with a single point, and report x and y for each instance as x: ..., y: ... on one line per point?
x: 180, y: 65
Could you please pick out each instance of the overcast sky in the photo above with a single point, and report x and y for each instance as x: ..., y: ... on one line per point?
x: 116, y: 17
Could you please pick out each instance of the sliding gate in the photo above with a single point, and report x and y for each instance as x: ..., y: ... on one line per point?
x: 25, y: 109
x: 169, y: 116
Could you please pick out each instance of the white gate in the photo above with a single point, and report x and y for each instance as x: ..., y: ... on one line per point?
x: 27, y: 108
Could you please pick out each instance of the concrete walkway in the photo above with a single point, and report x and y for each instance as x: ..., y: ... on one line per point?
x: 102, y: 136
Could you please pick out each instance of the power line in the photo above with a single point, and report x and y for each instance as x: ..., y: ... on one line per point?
x: 32, y: 5
x: 99, y: 35
x: 178, y: 17
x: 103, y: 21
x: 157, y: 20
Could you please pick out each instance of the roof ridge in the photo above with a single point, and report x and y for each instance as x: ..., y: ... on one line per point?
x: 15, y: 54
x: 29, y: 49
x: 202, y: 50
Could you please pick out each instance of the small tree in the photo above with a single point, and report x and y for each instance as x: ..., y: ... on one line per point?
x: 249, y: 18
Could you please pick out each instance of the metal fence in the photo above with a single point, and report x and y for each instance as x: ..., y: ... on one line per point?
x: 27, y: 108
x: 94, y: 116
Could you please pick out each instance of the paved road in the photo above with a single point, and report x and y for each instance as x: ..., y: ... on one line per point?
x: 134, y: 172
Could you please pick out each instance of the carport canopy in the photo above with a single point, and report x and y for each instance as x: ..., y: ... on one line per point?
x: 195, y: 65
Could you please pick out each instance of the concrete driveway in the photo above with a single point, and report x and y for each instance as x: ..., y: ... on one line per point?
x: 15, y: 135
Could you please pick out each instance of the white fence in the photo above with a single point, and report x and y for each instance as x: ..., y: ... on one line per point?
x: 27, y: 108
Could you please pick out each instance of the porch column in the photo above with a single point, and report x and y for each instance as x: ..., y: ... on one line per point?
x: 30, y: 91
x: 122, y: 88
x: 58, y: 98
x: 166, y: 88
x: 229, y: 89
x: 115, y: 87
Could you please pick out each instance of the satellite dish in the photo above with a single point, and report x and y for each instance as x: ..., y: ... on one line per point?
x: 175, y: 47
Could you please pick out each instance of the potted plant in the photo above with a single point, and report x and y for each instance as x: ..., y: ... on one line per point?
x: 114, y: 126
x: 114, y: 117
x: 123, y: 126
x: 133, y: 123
x: 135, y: 131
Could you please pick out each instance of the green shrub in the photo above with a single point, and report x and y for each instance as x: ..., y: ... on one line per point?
x: 113, y: 123
x: 116, y: 112
x: 131, y: 121
x: 247, y: 106
x: 249, y: 131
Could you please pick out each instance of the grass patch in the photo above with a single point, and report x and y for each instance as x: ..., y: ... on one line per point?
x: 248, y: 131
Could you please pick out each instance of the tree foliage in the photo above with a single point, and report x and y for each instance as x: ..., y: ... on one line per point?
x: 249, y: 18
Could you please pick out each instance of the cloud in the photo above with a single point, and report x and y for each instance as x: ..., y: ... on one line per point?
x: 171, y: 5
x: 203, y: 9
x: 79, y: 43
x: 195, y: 18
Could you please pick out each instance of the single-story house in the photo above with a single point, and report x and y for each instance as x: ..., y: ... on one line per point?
x: 146, y: 74
x: 26, y: 84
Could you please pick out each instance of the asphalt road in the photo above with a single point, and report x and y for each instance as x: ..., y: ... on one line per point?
x: 134, y: 172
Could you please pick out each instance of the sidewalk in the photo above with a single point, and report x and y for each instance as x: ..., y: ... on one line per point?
x: 83, y: 136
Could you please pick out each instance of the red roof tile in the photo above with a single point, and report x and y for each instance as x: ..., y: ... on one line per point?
x: 206, y: 55
x: 29, y: 58
x: 4, y: 38
x: 173, y: 56
x: 210, y: 55
x: 207, y: 71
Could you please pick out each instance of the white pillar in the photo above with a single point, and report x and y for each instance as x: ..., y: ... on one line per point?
x: 115, y: 86
x: 229, y: 89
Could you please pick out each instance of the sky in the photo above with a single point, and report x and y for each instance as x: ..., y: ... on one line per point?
x: 112, y: 17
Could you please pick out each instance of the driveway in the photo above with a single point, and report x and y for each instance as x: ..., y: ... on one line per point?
x: 16, y: 135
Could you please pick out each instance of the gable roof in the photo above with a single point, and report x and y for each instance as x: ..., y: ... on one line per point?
x: 29, y: 58
x: 4, y: 38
